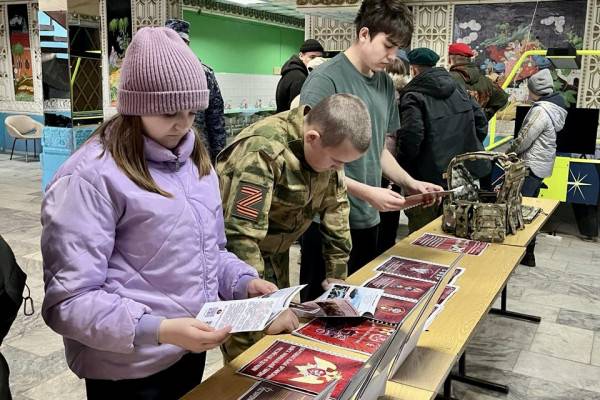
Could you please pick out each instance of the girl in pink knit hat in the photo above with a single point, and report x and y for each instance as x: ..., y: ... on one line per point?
x: 133, y: 238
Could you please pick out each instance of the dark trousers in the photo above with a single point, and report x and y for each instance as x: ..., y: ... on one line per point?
x: 419, y: 216
x: 388, y: 227
x: 171, y: 383
x: 4, y: 387
x: 388, y: 230
x: 364, y: 248
x: 312, y: 264
x: 531, y: 188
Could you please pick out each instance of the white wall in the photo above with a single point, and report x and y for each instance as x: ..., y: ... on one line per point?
x: 239, y: 88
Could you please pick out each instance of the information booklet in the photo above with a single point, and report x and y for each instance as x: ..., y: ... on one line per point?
x: 362, y: 335
x: 422, y: 198
x: 412, y: 268
x: 248, y: 315
x: 393, y: 310
x: 341, y: 301
x: 302, y: 368
x: 393, y: 285
x: 448, y: 243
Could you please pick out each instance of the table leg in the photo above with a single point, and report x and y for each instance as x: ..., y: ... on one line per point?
x: 447, y: 395
x: 511, y: 314
x: 464, y: 378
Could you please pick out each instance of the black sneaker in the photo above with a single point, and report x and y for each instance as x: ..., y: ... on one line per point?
x: 528, y: 260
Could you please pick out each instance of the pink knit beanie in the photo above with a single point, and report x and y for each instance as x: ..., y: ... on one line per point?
x: 160, y: 75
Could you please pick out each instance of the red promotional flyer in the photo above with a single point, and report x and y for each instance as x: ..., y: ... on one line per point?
x: 457, y: 273
x: 393, y: 285
x: 447, y: 293
x: 364, y: 336
x: 392, y: 310
x: 302, y: 368
x: 452, y: 244
x: 413, y: 268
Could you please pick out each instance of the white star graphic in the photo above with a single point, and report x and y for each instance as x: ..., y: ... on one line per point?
x: 577, y: 183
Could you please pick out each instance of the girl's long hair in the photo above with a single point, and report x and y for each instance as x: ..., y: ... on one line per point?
x: 122, y: 136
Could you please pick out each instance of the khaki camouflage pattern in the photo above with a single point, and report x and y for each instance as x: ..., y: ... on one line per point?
x: 270, y: 155
x: 529, y: 213
x: 490, y: 96
x: 270, y: 197
x: 466, y: 214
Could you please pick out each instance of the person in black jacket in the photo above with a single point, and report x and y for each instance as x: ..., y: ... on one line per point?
x: 439, y: 121
x: 294, y: 73
x: 12, y: 283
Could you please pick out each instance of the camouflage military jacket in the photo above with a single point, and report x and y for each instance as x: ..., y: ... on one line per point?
x: 488, y: 94
x: 211, y: 122
x: 270, y: 195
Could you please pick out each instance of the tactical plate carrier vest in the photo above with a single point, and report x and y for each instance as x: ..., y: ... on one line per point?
x: 482, y: 215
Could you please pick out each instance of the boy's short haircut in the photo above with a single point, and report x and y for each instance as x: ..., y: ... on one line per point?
x: 339, y: 117
x: 391, y: 17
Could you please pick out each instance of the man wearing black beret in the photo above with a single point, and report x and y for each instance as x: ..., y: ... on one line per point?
x: 439, y: 121
x: 294, y: 73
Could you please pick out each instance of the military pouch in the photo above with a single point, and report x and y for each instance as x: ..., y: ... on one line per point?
x: 489, y: 221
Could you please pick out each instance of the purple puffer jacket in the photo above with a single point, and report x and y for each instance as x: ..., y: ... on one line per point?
x: 118, y: 259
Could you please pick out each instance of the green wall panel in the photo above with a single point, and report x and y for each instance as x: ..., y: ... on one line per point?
x: 238, y: 46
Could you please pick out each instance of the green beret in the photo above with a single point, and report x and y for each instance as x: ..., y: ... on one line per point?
x: 423, y: 56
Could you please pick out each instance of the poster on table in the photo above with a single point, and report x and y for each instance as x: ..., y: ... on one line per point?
x: 412, y: 268
x: 457, y: 273
x: 302, y: 368
x: 455, y: 245
x: 393, y: 310
x: 392, y: 285
x: 448, y: 292
x: 364, y: 336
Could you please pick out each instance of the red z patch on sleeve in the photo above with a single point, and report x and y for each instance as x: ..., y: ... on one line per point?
x: 249, y: 201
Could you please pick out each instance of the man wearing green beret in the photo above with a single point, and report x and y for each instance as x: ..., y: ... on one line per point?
x: 439, y: 121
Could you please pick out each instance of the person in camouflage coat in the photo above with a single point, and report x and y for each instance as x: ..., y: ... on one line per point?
x: 210, y: 122
x: 487, y: 93
x: 279, y: 174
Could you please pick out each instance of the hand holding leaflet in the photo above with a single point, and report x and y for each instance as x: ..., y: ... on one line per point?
x: 425, y: 198
x: 341, y: 301
x: 248, y: 315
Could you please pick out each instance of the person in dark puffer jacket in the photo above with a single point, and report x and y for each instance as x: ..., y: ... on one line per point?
x: 12, y: 283
x: 438, y: 122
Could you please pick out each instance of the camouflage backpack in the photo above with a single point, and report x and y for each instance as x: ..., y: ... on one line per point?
x: 484, y: 215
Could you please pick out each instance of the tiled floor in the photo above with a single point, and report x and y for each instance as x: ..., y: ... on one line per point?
x: 558, y: 359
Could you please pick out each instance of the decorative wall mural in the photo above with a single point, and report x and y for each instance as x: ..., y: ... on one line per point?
x: 500, y: 33
x: 118, y: 15
x: 18, y: 28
